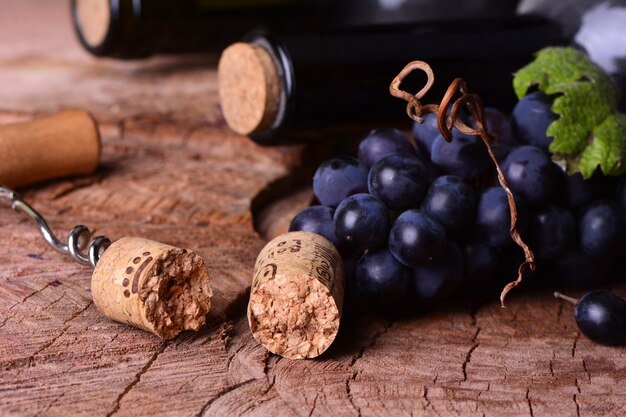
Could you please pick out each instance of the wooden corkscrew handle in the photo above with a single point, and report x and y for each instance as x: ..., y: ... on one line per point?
x: 59, y: 145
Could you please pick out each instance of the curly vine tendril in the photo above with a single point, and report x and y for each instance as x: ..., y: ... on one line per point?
x: 445, y: 121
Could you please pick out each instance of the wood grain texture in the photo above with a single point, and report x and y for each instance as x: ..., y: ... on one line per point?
x: 173, y: 173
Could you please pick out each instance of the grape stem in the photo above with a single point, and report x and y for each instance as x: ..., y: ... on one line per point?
x: 565, y: 297
x: 416, y: 111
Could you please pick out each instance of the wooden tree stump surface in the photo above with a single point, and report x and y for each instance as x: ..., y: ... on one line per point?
x: 173, y: 172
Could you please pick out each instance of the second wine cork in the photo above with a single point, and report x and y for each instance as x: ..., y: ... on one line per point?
x: 297, y: 295
x: 157, y: 287
x: 249, y: 88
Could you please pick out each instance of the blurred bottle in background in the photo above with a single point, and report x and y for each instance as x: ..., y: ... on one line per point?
x: 129, y: 29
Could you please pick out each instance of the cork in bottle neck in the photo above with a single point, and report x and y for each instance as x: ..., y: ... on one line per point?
x: 93, y: 18
x: 249, y: 88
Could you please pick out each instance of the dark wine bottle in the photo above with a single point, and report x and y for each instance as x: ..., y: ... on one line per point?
x: 274, y: 88
x: 129, y: 29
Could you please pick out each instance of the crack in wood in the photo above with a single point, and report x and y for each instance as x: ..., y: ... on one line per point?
x: 575, y: 343
x: 530, y: 405
x: 287, y: 404
x: 375, y: 337
x: 586, y: 371
x: 358, y: 356
x: 257, y: 403
x: 473, y: 312
x: 54, y: 302
x: 481, y: 392
x: 106, y: 344
x: 220, y: 394
x: 31, y: 295
x: 31, y: 359
x: 137, y: 378
x: 468, y: 356
x: 425, y: 395
x: 349, y: 392
x: 314, y: 405
x: 267, y: 367
x: 78, y: 313
x: 551, y: 365
x: 270, y: 386
x: 9, y: 317
x: 260, y: 400
x: 576, y: 397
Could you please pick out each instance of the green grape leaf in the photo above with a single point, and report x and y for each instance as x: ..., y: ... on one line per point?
x: 589, y: 131
x: 607, y: 148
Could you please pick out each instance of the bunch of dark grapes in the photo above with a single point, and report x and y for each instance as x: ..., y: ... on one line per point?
x: 424, y: 217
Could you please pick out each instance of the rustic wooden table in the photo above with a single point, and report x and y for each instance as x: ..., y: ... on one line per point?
x: 173, y: 172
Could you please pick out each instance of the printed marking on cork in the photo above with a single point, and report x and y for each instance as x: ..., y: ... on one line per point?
x: 129, y: 271
x: 148, y: 284
x: 297, y: 295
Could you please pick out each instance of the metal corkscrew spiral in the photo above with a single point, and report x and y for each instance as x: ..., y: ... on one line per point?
x: 74, y: 246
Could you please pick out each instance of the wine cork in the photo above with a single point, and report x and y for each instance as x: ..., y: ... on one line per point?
x: 60, y: 145
x: 249, y: 88
x: 154, y: 286
x: 297, y: 295
x: 93, y: 18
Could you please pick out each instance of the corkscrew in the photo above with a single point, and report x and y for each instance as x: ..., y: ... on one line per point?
x: 76, y: 242
x: 135, y: 280
x: 157, y: 287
